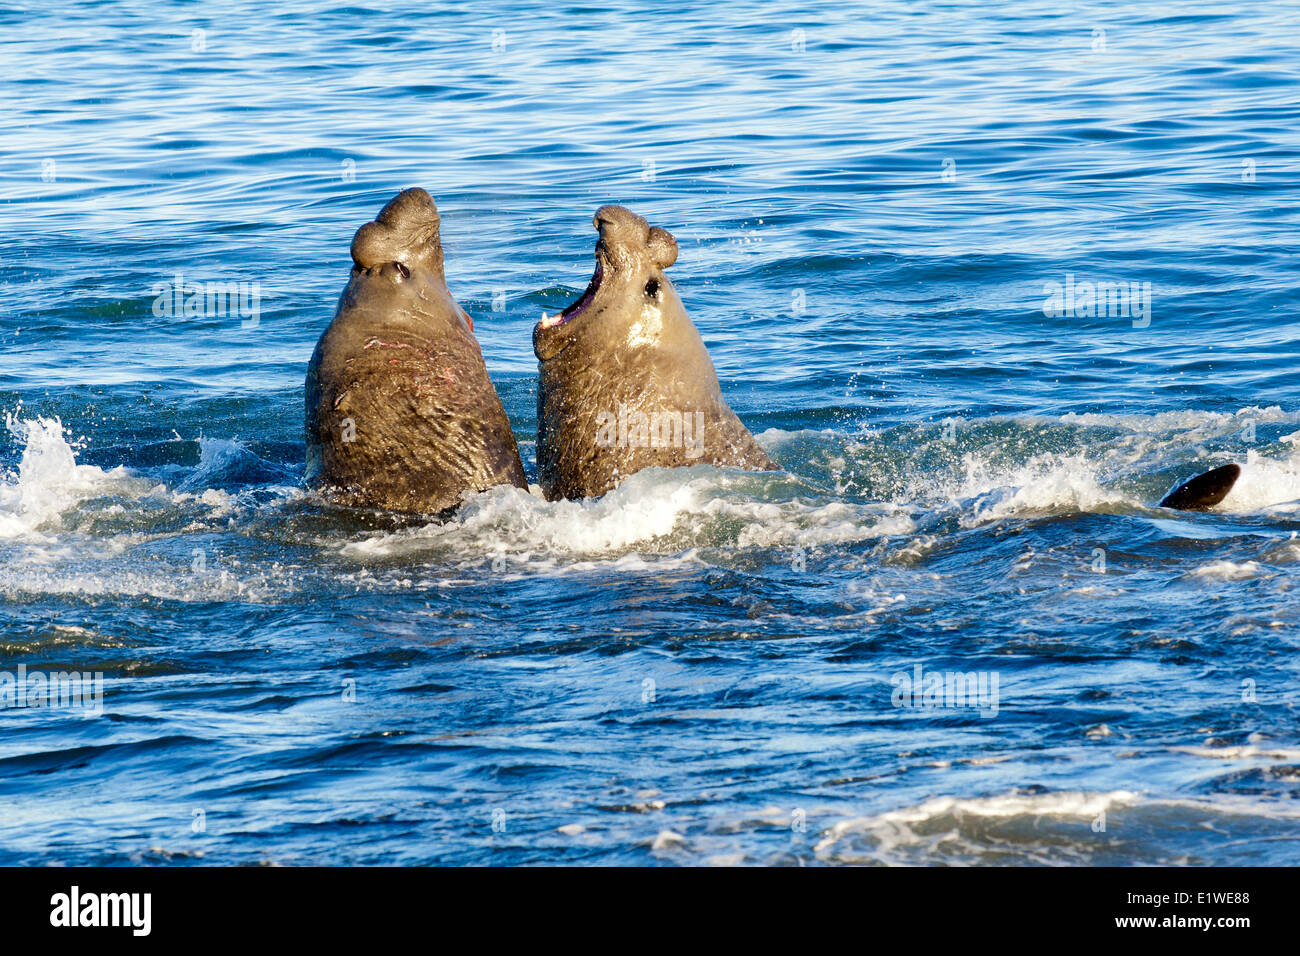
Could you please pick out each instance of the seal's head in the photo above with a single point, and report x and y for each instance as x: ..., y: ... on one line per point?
x: 628, y: 286
x: 399, y: 256
x: 406, y: 232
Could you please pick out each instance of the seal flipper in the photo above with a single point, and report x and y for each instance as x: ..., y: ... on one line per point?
x: 1204, y: 491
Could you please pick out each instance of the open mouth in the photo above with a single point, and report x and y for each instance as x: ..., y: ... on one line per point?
x: 578, y: 307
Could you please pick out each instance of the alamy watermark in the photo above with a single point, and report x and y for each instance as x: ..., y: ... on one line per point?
x: 75, y: 908
x: 1115, y: 300
x: 179, y: 299
x: 943, y: 690
x: 70, y: 690
x: 631, y: 428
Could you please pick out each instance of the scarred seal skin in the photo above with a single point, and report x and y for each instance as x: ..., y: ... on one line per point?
x: 401, y: 414
x: 625, y: 380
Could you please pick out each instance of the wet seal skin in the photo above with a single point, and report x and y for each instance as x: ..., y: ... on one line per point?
x: 625, y: 380
x: 1204, y: 491
x: 401, y: 414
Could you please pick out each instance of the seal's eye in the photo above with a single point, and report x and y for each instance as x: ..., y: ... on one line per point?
x: 404, y: 272
x: 652, y: 288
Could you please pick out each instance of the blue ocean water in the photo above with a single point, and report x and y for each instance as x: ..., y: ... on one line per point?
x: 875, y: 204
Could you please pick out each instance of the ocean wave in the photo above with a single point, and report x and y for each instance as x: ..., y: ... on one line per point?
x: 49, y: 482
x: 1072, y: 827
x: 76, y: 525
x: 657, y: 511
x: 1229, y: 570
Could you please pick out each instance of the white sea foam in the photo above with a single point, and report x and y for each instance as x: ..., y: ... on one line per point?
x: 1246, y: 752
x: 957, y: 828
x: 656, y: 511
x: 170, y: 583
x: 1188, y: 425
x: 657, y: 519
x: 1229, y: 571
x: 507, y: 519
x: 1265, y: 482
x: 49, y: 481
x: 48, y: 552
x: 1067, y: 804
x: 991, y: 483
x: 1044, y: 483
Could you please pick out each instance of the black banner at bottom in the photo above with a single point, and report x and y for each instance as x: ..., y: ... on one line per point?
x: 330, y: 906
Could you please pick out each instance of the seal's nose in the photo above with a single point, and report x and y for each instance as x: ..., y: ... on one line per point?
x: 620, y: 224
x: 625, y: 236
x: 407, y: 229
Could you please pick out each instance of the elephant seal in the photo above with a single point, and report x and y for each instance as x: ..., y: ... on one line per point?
x: 625, y: 380
x: 1204, y: 491
x: 401, y: 414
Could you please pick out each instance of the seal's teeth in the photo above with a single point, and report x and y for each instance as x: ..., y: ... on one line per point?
x: 549, y: 320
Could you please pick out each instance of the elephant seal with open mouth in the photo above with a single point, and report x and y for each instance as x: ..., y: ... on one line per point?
x: 401, y: 414
x: 626, y: 382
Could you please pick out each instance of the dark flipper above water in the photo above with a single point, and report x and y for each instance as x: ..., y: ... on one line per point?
x: 1204, y: 491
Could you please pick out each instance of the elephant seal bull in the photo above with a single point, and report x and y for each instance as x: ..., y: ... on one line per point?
x: 626, y: 382
x: 401, y: 414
